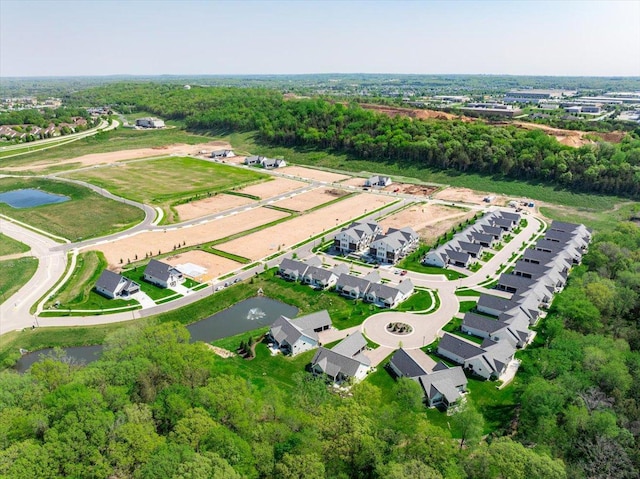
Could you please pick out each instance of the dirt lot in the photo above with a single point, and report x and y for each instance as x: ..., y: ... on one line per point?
x: 359, y: 182
x: 267, y: 242
x: 154, y: 241
x: 464, y: 195
x: 306, y: 201
x: 216, y: 265
x: 409, y: 189
x: 274, y: 187
x: 575, y: 138
x: 419, y: 113
x: 430, y: 232
x: 420, y: 216
x: 115, y: 156
x: 312, y: 174
x: 215, y: 204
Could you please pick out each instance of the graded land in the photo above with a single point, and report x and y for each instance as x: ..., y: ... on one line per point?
x: 310, y: 199
x: 85, y: 215
x: 214, y: 204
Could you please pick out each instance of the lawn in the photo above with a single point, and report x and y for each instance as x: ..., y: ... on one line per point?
x: 78, y: 292
x: 15, y: 274
x: 114, y: 140
x: 86, y: 215
x: 421, y: 268
x: 418, y: 301
x: 466, y: 306
x: 467, y: 292
x: 167, y: 181
x: 245, y: 142
x: 10, y: 246
x: 599, y: 220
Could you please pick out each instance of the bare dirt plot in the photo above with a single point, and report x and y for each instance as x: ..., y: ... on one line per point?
x: 310, y: 199
x: 272, y: 188
x: 419, y: 113
x: 410, y: 189
x: 354, y: 182
x: 420, y: 216
x: 215, y: 204
x: 269, y: 241
x: 312, y: 174
x: 465, y: 195
x: 575, y: 138
x: 122, y: 155
x: 432, y: 231
x: 155, y: 241
x: 215, y: 265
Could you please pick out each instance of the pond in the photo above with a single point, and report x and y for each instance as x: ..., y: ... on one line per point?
x: 247, y: 315
x: 28, y: 198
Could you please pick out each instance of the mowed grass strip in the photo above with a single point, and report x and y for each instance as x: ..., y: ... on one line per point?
x: 10, y: 246
x: 169, y: 180
x: 114, y: 140
x: 78, y: 292
x: 15, y: 274
x: 86, y: 215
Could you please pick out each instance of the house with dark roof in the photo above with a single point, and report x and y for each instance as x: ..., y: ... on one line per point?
x: 516, y: 330
x: 354, y: 286
x: 443, y: 387
x: 344, y: 361
x: 162, y: 274
x: 321, y: 278
x: 253, y: 160
x: 356, y: 237
x: 490, y: 359
x: 387, y: 296
x: 295, y: 336
x: 222, y: 154
x: 294, y: 270
x: 113, y: 285
x: 411, y: 363
x: 270, y: 163
x: 378, y: 181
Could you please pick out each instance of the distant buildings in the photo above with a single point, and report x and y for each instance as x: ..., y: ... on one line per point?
x: 534, y: 96
x: 149, y: 122
x: 490, y: 109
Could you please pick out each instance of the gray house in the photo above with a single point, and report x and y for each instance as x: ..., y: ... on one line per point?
x: 294, y: 270
x: 253, y: 160
x: 388, y: 296
x: 380, y: 181
x: 294, y: 336
x: 113, y: 285
x: 321, y: 278
x: 354, y: 286
x: 162, y: 274
x: 222, y: 154
x: 344, y: 361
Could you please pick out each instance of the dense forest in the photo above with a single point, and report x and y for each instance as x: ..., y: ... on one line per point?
x: 157, y: 405
x: 505, y: 151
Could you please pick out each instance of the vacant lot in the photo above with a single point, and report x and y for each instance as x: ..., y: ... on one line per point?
x: 465, y: 195
x: 215, y: 265
x: 164, y: 181
x: 271, y: 240
x: 310, y: 199
x: 359, y: 182
x: 10, y: 246
x: 421, y: 216
x: 437, y: 228
x: 272, y: 188
x: 311, y: 174
x: 208, y: 206
x: 15, y: 274
x: 163, y: 242
x: 86, y: 215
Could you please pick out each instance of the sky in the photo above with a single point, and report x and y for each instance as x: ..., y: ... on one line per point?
x: 151, y: 37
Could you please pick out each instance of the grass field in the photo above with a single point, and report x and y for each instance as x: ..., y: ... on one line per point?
x: 28, y: 148
x: 86, y: 215
x: 599, y: 220
x: 78, y: 293
x: 15, y: 274
x: 165, y: 181
x: 114, y: 140
x: 418, y: 301
x: 245, y: 143
x: 11, y: 246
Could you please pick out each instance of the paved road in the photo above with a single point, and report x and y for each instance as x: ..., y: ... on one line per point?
x: 14, y: 312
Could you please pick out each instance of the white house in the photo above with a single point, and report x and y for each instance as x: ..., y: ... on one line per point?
x: 345, y: 360
x: 270, y: 163
x: 393, y: 246
x: 388, y: 296
x: 253, y: 160
x: 355, y: 287
x: 356, y: 237
x: 295, y: 336
x: 162, y: 274
x: 321, y: 278
x: 222, y: 154
x: 112, y: 285
x: 149, y: 122
x: 380, y: 181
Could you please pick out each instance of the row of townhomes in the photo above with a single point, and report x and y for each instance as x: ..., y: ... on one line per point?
x: 469, y: 244
x: 268, y: 163
x: 113, y: 285
x: 386, y: 248
x: 368, y: 288
x: 504, y: 323
x: 442, y: 385
x: 341, y: 363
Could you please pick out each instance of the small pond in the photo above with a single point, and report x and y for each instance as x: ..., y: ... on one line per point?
x: 28, y: 198
x: 252, y: 313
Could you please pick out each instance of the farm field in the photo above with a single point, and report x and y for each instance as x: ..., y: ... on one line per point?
x: 121, y: 139
x: 270, y: 240
x: 313, y: 174
x: 275, y: 187
x: 310, y: 199
x: 172, y: 179
x: 15, y: 274
x: 86, y: 215
x: 164, y: 242
x: 215, y: 265
x: 215, y: 204
x: 10, y: 246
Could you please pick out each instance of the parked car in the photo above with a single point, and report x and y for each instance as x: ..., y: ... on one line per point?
x: 403, y: 273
